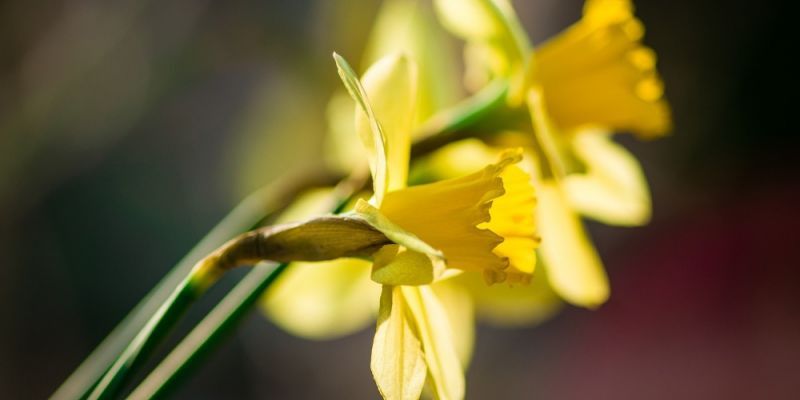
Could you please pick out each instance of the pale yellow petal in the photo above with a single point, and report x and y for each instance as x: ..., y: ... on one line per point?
x: 453, y: 160
x: 320, y: 300
x: 398, y: 362
x: 458, y: 305
x: 376, y: 142
x: 396, y: 265
x: 511, y: 305
x: 323, y: 300
x: 613, y: 189
x: 342, y: 154
x: 490, y: 27
x: 410, y: 27
x: 391, y: 87
x: 547, y: 136
x: 575, y: 270
x: 433, y: 326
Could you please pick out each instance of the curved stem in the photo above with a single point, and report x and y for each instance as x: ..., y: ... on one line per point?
x: 156, y: 329
x: 208, y: 333
x: 245, y: 216
x: 444, y: 127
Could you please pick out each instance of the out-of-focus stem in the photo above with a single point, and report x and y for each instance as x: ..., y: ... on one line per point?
x: 247, y: 215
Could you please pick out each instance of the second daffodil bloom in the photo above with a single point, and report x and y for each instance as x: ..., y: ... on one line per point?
x: 480, y: 224
x: 593, y: 79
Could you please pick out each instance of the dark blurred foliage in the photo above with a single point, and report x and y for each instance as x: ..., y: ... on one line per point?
x: 128, y: 128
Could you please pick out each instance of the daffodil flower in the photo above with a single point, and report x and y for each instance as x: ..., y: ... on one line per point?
x: 591, y: 80
x: 480, y: 224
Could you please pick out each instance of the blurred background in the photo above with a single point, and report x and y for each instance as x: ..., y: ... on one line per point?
x: 129, y: 128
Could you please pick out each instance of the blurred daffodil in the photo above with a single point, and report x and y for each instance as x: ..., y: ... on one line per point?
x: 593, y: 79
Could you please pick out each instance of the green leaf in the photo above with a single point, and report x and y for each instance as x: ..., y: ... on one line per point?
x: 242, y: 218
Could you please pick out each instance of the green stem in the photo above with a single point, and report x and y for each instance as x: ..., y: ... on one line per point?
x: 463, y: 120
x: 223, y: 318
x: 208, y: 333
x: 246, y: 216
x: 441, y: 129
x: 156, y: 329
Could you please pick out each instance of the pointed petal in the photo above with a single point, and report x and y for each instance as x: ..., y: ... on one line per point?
x: 433, y: 326
x: 398, y: 363
x: 614, y: 189
x: 391, y: 87
x: 490, y: 28
x: 460, y: 310
x: 320, y: 300
x: 323, y: 300
x: 377, y: 146
x: 404, y: 26
x: 575, y: 270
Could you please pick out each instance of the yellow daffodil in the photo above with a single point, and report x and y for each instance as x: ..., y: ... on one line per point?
x: 464, y: 219
x: 593, y: 79
x: 480, y: 224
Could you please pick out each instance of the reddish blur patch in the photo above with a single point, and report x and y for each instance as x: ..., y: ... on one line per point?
x: 707, y: 308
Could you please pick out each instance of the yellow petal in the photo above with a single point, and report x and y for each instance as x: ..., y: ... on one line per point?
x: 547, y: 136
x: 323, y: 300
x: 598, y: 74
x: 575, y: 270
x: 391, y: 86
x: 511, y: 305
x: 376, y: 143
x: 397, y: 265
x: 320, y: 300
x: 446, y: 215
x: 453, y: 160
x: 398, y: 363
x: 491, y: 28
x: 438, y: 343
x: 340, y: 153
x: 512, y: 217
x: 458, y: 305
x: 410, y: 261
x: 409, y: 27
x: 613, y: 189
x: 396, y: 233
